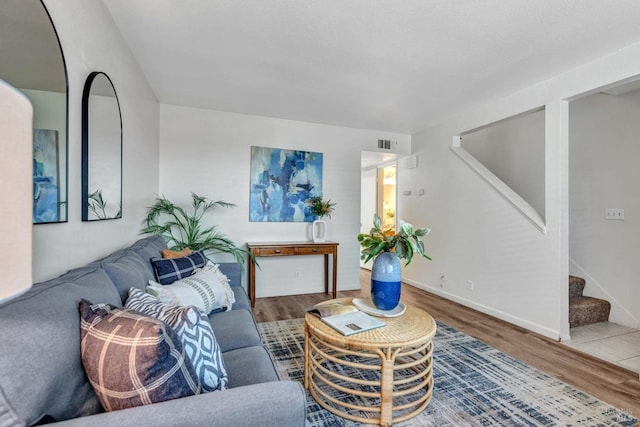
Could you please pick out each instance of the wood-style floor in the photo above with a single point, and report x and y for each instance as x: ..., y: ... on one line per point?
x: 608, y: 382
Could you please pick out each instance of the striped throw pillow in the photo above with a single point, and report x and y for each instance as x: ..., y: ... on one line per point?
x: 132, y: 359
x: 195, y: 333
x: 208, y: 289
x: 168, y: 270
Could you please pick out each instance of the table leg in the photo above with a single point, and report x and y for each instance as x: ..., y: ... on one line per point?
x: 307, y: 366
x: 252, y: 282
x: 386, y: 393
x: 335, y: 272
x: 326, y: 274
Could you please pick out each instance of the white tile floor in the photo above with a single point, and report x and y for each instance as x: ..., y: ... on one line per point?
x: 609, y: 341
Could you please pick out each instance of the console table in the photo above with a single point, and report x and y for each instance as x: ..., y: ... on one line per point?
x: 264, y: 249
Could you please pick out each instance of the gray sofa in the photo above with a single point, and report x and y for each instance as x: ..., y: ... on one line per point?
x: 42, y: 379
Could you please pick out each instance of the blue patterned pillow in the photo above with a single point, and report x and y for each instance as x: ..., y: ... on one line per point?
x: 132, y: 359
x: 168, y: 270
x: 195, y: 333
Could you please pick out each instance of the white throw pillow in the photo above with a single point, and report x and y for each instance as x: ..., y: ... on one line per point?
x: 207, y: 288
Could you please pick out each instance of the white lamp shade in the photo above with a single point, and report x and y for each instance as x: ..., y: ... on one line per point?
x: 16, y: 191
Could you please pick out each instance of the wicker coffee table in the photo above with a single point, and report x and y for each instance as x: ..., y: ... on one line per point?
x: 379, y: 376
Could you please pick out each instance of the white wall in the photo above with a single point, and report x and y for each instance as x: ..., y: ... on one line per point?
x: 604, y: 173
x: 208, y: 152
x: 91, y: 42
x: 519, y: 272
x: 514, y: 151
x: 368, y: 203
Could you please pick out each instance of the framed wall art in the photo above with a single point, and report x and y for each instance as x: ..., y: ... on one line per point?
x: 282, y: 182
x: 47, y: 204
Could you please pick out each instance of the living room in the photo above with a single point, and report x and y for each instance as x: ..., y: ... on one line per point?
x: 170, y: 148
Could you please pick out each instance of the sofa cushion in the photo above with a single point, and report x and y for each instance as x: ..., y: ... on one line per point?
x: 242, y: 300
x: 132, y: 359
x: 195, y: 333
x: 235, y: 329
x: 126, y: 269
x: 241, y: 297
x: 149, y: 247
x: 233, y: 271
x: 41, y: 374
x: 168, y: 270
x: 249, y: 365
x: 207, y: 288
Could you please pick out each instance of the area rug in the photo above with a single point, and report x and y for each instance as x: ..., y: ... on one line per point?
x: 474, y: 385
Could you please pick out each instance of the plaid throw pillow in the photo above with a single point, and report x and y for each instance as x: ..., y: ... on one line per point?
x: 168, y: 270
x: 208, y: 289
x: 195, y: 333
x: 132, y: 359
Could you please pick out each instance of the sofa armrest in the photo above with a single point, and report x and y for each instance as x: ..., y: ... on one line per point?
x: 280, y: 403
x: 233, y: 271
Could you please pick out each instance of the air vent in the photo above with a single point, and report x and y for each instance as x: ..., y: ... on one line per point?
x: 384, y: 144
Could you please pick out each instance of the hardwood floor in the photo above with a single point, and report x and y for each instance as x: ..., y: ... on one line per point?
x: 608, y: 382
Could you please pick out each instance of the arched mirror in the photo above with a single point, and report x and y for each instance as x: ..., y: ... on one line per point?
x: 101, y: 150
x: 32, y: 61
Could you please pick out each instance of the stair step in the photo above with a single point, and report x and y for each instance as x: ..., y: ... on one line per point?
x: 587, y: 310
x: 576, y: 286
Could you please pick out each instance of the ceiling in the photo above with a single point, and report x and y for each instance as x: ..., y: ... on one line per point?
x: 389, y: 65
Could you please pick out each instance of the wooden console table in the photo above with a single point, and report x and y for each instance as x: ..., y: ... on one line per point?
x: 263, y: 249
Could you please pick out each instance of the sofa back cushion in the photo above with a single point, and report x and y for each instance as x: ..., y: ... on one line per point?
x: 149, y: 247
x: 41, y: 374
x: 127, y: 269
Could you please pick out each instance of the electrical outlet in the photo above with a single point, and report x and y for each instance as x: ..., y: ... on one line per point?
x: 443, y: 280
x: 470, y: 285
x: 297, y: 274
x: 614, y: 213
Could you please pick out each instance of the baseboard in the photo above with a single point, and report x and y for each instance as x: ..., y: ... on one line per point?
x: 534, y: 327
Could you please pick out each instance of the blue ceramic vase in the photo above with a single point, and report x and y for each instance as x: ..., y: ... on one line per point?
x: 386, y: 277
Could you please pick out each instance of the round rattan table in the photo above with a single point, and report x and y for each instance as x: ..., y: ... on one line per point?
x: 381, y: 376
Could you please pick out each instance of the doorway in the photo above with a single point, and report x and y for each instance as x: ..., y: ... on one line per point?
x: 378, y: 192
x: 387, y: 201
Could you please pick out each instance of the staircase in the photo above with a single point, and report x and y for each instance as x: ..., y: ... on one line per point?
x: 585, y: 310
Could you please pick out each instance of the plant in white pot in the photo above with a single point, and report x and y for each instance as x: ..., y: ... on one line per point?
x: 319, y: 208
x: 388, y: 248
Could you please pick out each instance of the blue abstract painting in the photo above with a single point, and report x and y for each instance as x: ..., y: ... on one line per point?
x: 46, y: 176
x: 282, y: 182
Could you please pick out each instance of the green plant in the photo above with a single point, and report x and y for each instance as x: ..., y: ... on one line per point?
x: 320, y: 207
x: 403, y: 244
x: 182, y: 228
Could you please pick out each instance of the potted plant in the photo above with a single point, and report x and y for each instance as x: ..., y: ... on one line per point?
x: 388, y: 248
x: 319, y: 208
x: 182, y: 228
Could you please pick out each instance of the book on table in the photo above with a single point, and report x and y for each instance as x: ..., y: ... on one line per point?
x: 345, y: 318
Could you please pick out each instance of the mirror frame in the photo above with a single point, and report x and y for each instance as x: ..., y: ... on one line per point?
x: 66, y: 141
x: 85, y: 145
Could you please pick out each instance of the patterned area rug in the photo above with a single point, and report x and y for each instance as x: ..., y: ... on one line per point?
x: 474, y: 385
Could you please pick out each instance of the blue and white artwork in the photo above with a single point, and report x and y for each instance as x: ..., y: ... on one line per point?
x: 46, y: 185
x: 282, y: 181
